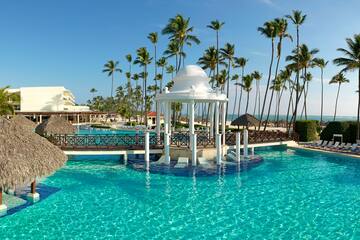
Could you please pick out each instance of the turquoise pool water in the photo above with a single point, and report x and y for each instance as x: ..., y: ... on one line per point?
x: 291, y: 195
x: 100, y: 131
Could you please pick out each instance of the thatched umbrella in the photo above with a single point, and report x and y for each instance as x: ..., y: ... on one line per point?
x: 245, y: 120
x: 21, y: 120
x: 55, y: 125
x: 24, y: 156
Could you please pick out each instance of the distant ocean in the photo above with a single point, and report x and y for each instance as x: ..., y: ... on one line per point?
x: 326, y: 118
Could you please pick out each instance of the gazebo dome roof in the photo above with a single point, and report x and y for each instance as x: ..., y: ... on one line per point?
x: 191, y: 78
x: 192, y: 83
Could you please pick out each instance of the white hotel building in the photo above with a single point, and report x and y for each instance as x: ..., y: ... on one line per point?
x: 38, y: 103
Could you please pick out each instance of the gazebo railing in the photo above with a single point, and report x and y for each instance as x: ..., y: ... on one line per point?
x: 178, y: 139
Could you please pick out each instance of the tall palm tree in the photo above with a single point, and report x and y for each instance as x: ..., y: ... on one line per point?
x: 239, y: 62
x: 143, y: 59
x: 216, y: 25
x: 173, y: 49
x: 179, y: 30
x: 338, y: 79
x: 257, y: 76
x: 307, y: 78
x: 110, y: 68
x: 351, y: 62
x: 170, y: 70
x: 128, y: 58
x: 153, y: 37
x: 247, y: 86
x: 276, y: 87
x: 281, y: 32
x: 228, y: 52
x: 269, y: 31
x: 302, y: 59
x: 297, y: 19
x: 321, y: 63
x: 162, y: 64
x: 209, y: 61
x: 8, y: 101
x: 93, y: 91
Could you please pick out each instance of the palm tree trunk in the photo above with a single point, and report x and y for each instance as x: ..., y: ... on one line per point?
x: 112, y: 85
x: 241, y: 91
x: 256, y: 96
x: 297, y: 78
x: 322, y: 95
x: 272, y: 91
x: 236, y: 95
x: 268, y: 83
x: 227, y: 92
x: 217, y: 54
x: 247, y: 101
x: 337, y: 98
x: 145, y: 82
x: 305, y: 104
x: 358, y: 112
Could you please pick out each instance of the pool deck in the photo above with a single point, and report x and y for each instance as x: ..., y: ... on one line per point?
x: 343, y: 154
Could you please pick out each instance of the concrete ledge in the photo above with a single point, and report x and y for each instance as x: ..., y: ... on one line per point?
x: 269, y: 144
x: 3, y: 209
x: 34, y: 197
x: 343, y: 154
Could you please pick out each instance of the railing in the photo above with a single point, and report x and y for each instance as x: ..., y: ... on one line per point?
x: 137, y: 142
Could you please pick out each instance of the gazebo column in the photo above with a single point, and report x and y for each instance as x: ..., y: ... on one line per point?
x: 33, y: 195
x: 3, y: 207
x: 191, y: 107
x: 223, y: 121
x: 169, y: 118
x: 211, y: 119
x: 217, y: 117
x: 158, y: 124
x: 166, y: 132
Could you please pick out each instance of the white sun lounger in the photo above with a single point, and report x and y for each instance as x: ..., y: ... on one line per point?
x: 204, y: 163
x: 346, y: 147
x: 182, y: 162
x: 336, y: 144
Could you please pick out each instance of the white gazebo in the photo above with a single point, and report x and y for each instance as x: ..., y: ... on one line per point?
x: 191, y: 85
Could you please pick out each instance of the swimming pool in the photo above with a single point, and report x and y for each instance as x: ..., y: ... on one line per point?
x: 103, y: 131
x: 292, y: 194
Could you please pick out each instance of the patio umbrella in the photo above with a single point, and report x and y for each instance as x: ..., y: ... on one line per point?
x: 55, y: 125
x: 21, y: 120
x: 24, y: 156
x: 245, y: 120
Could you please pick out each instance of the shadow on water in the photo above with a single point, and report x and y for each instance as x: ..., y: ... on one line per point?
x: 44, y: 191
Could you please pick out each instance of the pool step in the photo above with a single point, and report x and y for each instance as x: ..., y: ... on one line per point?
x: 182, y: 162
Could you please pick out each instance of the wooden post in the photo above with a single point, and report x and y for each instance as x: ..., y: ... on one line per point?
x: 33, y: 187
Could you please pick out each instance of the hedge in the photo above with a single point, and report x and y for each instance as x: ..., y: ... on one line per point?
x: 347, y: 129
x: 307, y: 130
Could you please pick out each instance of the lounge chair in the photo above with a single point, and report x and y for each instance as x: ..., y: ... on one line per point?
x: 182, y: 162
x: 204, y: 163
x: 350, y: 149
x: 342, y: 145
x: 324, y: 143
x: 330, y: 143
x: 355, y: 148
x: 334, y: 146
x: 313, y: 144
x: 346, y: 147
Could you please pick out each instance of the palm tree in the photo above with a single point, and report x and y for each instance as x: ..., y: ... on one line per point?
x: 351, y: 62
x: 8, y: 101
x: 297, y: 19
x: 173, y: 49
x: 228, y: 52
x: 276, y: 87
x: 338, y: 79
x: 307, y: 78
x: 170, y: 70
x: 239, y: 63
x: 321, y: 63
x: 269, y: 31
x: 281, y: 32
x: 257, y: 76
x: 93, y: 91
x: 110, y: 68
x: 162, y: 64
x: 179, y: 30
x: 247, y: 86
x: 216, y: 25
x: 128, y: 58
x: 153, y: 37
x: 143, y: 59
x: 209, y: 61
x: 302, y: 59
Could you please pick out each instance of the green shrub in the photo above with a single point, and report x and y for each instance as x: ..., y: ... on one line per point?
x: 347, y: 129
x: 307, y: 130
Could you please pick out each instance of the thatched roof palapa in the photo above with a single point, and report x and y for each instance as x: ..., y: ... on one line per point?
x: 24, y: 155
x: 245, y: 120
x: 21, y: 120
x: 55, y: 125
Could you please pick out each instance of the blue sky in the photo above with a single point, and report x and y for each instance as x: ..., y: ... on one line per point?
x: 67, y: 42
